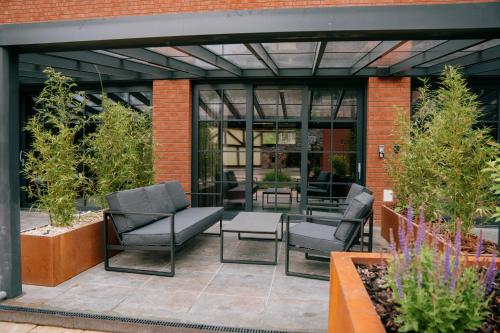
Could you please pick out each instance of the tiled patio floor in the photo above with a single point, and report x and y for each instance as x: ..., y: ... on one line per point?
x: 203, y: 291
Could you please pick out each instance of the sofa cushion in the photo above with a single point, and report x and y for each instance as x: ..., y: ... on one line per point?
x: 134, y: 200
x: 177, y: 195
x: 187, y: 224
x: 354, y: 191
x: 159, y: 199
x: 315, y: 237
x: 359, y: 207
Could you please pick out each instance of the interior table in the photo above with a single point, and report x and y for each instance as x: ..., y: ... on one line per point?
x: 276, y: 192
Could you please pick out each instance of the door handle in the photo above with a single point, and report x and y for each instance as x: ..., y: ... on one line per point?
x: 359, y: 171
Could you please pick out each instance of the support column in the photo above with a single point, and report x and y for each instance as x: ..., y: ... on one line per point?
x: 10, y: 250
x: 386, y: 96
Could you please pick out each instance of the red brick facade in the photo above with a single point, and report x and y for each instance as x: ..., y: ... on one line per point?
x: 17, y: 11
x: 385, y: 97
x: 172, y: 130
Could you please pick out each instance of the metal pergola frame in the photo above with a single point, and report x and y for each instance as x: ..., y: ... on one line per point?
x: 72, y: 46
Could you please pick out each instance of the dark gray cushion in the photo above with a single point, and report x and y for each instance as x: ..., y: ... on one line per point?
x: 354, y: 191
x: 334, y: 216
x: 187, y: 224
x: 359, y: 207
x: 134, y: 200
x: 315, y: 237
x: 177, y: 195
x: 159, y: 199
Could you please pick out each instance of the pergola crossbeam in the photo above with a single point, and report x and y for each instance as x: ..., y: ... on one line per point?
x: 209, y: 57
x: 260, y: 52
x: 470, y: 59
x: 376, y: 53
x: 487, y: 66
x: 318, y: 55
x: 436, y: 52
x: 160, y: 60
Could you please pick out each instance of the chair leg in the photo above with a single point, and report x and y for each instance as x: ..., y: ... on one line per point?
x: 288, y: 272
x: 216, y: 234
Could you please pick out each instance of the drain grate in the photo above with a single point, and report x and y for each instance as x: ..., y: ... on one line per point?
x: 130, y: 320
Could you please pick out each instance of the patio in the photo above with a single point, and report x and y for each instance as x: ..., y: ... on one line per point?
x: 204, y: 291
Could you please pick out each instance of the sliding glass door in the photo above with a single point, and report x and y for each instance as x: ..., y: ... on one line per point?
x: 275, y: 148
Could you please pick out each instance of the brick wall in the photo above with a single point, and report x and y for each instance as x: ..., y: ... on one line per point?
x: 17, y: 11
x: 172, y: 130
x: 385, y: 96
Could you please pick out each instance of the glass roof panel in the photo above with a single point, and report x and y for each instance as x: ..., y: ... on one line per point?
x: 406, y: 50
x: 175, y: 54
x: 245, y: 61
x: 358, y: 46
x: 302, y: 47
x: 290, y: 60
x: 445, y: 58
x: 335, y: 60
x: 225, y: 49
x: 111, y: 54
x: 484, y: 46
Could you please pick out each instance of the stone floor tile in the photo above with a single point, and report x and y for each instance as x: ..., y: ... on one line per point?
x: 51, y: 329
x: 162, y: 304
x: 35, y: 295
x: 240, y: 285
x: 6, y: 327
x: 187, y: 281
x: 90, y: 297
x: 285, y: 287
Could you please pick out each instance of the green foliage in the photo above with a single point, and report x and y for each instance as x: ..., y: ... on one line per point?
x: 442, y: 152
x: 493, y: 170
x: 340, y: 165
x: 279, y: 176
x: 120, y: 151
x: 431, y: 305
x: 51, y: 166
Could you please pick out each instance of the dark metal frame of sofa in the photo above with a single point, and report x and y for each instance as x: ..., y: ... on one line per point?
x: 108, y: 215
x: 322, y: 255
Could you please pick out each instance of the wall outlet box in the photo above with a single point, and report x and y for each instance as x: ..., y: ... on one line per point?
x: 388, y: 196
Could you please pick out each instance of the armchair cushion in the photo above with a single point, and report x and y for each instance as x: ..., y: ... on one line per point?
x: 315, y: 237
x: 177, y: 195
x: 134, y: 200
x: 187, y: 224
x: 359, y: 208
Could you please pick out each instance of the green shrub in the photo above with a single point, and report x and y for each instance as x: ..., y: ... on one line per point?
x: 493, y: 170
x: 441, y: 153
x: 51, y: 167
x: 280, y: 176
x: 340, y: 165
x: 120, y: 150
x: 435, y: 291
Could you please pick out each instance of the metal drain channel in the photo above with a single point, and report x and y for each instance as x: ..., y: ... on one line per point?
x: 130, y: 320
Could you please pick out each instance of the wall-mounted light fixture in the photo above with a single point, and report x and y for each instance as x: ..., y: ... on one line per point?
x: 381, y: 151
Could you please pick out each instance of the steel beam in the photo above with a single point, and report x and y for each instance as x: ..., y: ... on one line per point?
x: 161, y: 60
x: 76, y: 65
x: 110, y: 61
x: 210, y: 57
x: 438, y: 21
x: 376, y: 53
x: 260, y: 52
x: 24, y: 67
x: 318, y: 55
x: 436, y: 52
x: 470, y: 59
x: 10, y: 248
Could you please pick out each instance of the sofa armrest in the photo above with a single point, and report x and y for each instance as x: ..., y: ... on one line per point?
x: 205, y: 193
x: 121, y: 212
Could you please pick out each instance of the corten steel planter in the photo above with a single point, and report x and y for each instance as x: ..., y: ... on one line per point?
x: 351, y: 309
x: 48, y: 260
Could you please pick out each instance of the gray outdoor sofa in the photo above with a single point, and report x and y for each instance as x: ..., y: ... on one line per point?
x: 155, y: 218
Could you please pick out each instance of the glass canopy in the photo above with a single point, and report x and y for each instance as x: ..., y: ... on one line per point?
x: 278, y: 59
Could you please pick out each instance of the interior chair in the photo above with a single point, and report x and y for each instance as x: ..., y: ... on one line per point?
x: 320, y: 235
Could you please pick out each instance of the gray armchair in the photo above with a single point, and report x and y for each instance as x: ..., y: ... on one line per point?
x: 320, y: 235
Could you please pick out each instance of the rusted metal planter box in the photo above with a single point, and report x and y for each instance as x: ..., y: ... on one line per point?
x: 48, y: 260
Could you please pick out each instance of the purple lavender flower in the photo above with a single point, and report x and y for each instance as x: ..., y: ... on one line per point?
x: 421, y: 232
x: 392, y: 246
x: 447, y: 270
x: 479, y: 247
x: 399, y: 286
x: 490, y: 275
x: 409, y: 222
x: 404, y: 246
x: 457, y: 248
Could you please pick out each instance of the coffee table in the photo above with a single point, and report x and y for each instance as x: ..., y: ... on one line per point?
x: 253, y: 223
x: 277, y: 191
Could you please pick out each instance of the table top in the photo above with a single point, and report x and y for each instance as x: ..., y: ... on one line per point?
x: 254, y: 222
x: 279, y: 190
